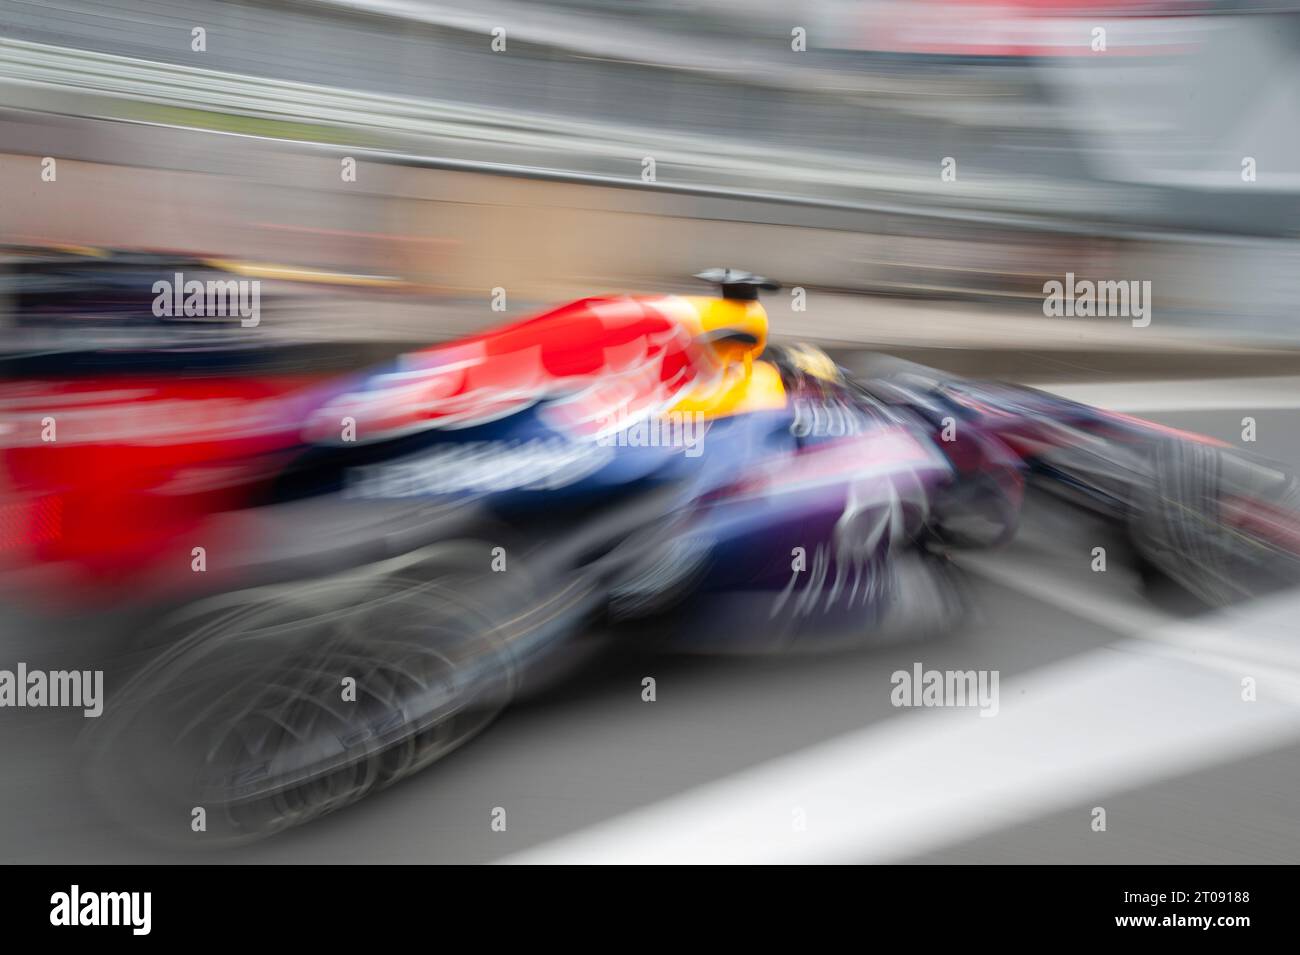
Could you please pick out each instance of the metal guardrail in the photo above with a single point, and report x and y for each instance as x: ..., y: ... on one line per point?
x: 98, y: 85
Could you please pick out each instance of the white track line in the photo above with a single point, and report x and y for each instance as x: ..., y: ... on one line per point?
x: 1069, y: 734
x: 1212, y: 394
x: 1272, y: 646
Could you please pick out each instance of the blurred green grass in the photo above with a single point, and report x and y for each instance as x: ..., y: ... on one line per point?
x: 249, y: 125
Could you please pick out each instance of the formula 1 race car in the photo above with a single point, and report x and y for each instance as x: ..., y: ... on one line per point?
x: 363, y: 569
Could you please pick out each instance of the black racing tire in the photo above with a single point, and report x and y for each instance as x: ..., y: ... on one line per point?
x: 247, y: 715
x: 1178, y: 526
x: 979, y: 510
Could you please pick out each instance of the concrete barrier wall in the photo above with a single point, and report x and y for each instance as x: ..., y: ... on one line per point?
x: 463, y: 233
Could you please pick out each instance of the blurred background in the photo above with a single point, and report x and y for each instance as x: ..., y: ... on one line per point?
x: 920, y: 167
x: 808, y: 141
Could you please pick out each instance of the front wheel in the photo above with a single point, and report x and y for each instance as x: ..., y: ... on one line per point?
x: 1224, y: 526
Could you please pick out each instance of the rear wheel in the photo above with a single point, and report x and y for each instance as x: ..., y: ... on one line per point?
x: 281, y: 704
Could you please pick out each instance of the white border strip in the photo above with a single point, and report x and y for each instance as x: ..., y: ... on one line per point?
x: 1068, y: 735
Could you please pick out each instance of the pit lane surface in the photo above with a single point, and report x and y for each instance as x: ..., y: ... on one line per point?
x: 592, y: 750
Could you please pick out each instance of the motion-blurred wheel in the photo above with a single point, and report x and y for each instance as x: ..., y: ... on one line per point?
x: 281, y: 704
x: 1223, y: 525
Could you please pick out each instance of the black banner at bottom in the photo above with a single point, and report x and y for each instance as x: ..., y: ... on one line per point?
x: 215, y: 904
